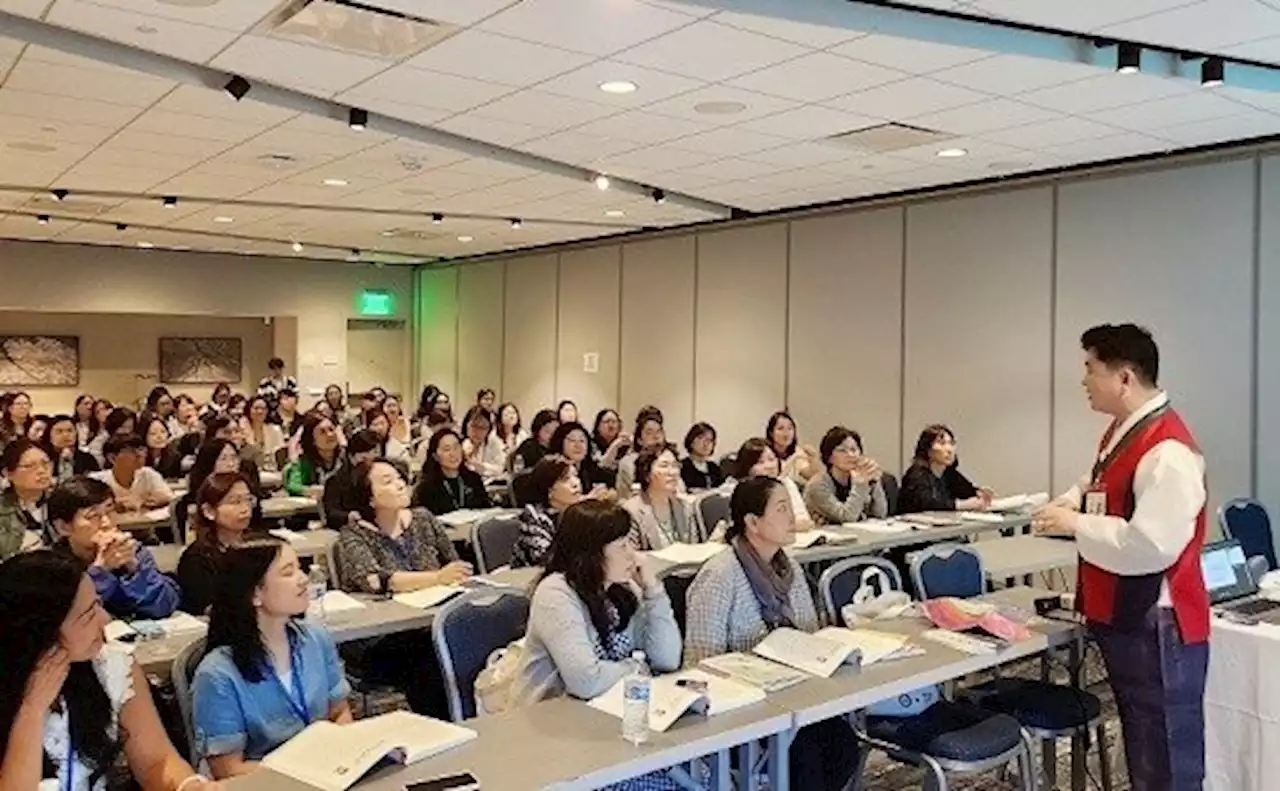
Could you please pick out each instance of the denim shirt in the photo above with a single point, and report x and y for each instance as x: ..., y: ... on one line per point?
x: 234, y: 715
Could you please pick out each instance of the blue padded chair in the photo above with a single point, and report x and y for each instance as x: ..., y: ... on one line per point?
x: 466, y: 631
x: 890, y: 486
x: 676, y: 581
x: 182, y: 674
x: 713, y: 508
x: 948, y: 570
x: 495, y: 542
x: 1247, y: 521
x: 841, y: 580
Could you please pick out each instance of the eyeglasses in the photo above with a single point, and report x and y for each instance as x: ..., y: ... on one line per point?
x: 36, y: 466
x: 250, y: 501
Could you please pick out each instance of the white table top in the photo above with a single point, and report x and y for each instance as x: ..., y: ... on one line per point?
x: 1016, y: 556
x: 309, y: 544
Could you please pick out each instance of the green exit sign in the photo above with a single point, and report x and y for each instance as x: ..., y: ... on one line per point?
x: 376, y: 302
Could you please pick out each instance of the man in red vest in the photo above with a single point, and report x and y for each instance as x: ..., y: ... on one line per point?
x: 1138, y: 520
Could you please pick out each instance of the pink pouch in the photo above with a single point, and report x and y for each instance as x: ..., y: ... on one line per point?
x: 959, y: 614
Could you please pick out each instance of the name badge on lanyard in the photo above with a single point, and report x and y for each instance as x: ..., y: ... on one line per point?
x: 1095, y: 500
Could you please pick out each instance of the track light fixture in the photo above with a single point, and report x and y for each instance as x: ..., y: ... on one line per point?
x: 1129, y: 58
x: 602, y: 182
x: 354, y: 255
x: 43, y: 219
x: 170, y: 202
x: 436, y: 219
x: 121, y: 226
x: 60, y: 195
x: 516, y: 224
x: 358, y: 119
x: 237, y: 86
x: 1212, y: 72
x: 297, y: 247
x: 659, y: 196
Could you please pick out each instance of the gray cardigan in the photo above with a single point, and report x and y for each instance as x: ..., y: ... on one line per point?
x: 723, y: 614
x: 560, y: 645
x: 865, y: 501
x: 646, y: 533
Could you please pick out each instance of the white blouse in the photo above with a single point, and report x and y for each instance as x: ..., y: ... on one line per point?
x: 114, y: 666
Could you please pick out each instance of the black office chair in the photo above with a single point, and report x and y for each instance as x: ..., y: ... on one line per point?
x: 466, y: 631
x: 677, y: 582
x: 1247, y: 521
x: 495, y: 542
x: 522, y: 488
x: 713, y: 509
x: 890, y: 486
x: 183, y: 672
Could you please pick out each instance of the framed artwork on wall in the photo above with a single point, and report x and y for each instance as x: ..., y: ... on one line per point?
x: 39, y: 360
x: 199, y: 361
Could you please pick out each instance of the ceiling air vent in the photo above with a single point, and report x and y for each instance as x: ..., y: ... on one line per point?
x: 356, y: 27
x: 888, y: 137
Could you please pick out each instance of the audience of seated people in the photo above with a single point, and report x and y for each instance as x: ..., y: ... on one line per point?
x: 650, y: 433
x: 136, y: 486
x: 320, y: 459
x: 659, y: 518
x: 699, y: 470
x: 23, y: 515
x: 60, y: 441
x: 538, y: 444
x: 571, y: 442
x: 161, y: 454
x: 481, y: 446
x: 447, y: 484
x: 799, y: 462
x: 609, y: 443
x: 338, y: 502
x: 848, y: 487
x: 934, y: 482
x: 553, y: 486
x: 224, y: 506
x: 756, y: 459
x: 509, y: 429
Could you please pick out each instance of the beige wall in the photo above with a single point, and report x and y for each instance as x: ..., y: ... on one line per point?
x: 959, y: 308
x: 319, y: 295
x: 119, y: 354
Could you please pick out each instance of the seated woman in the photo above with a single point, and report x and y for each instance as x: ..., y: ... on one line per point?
x: 570, y: 441
x: 567, y: 412
x: 261, y: 435
x: 161, y: 455
x: 650, y: 433
x: 538, y: 445
x: 934, y: 482
x: 392, y: 548
x: 321, y: 458
x: 339, y: 502
x: 799, y: 463
x: 698, y: 470
x: 74, y: 704
x: 22, y: 504
x: 481, y: 447
x: 658, y: 517
x: 185, y: 416
x: 447, y: 484
x: 400, y: 429
x: 136, y: 486
x: 86, y: 418
x: 509, y: 430
x: 123, y: 571
x: 120, y: 422
x: 555, y: 487
x: 849, y: 489
x: 743, y: 594
x: 609, y: 443
x: 392, y: 449
x: 224, y: 513
x: 59, y: 442
x: 15, y: 418
x: 218, y: 400
x: 268, y: 675
x: 755, y: 459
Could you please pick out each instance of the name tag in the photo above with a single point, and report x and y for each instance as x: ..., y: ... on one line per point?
x: 1095, y: 502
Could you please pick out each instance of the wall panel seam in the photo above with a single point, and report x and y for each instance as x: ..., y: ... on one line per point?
x: 902, y: 344
x: 555, y: 338
x: 622, y: 268
x: 786, y: 331
x: 1053, y: 329
x: 697, y: 265
x: 1255, y: 372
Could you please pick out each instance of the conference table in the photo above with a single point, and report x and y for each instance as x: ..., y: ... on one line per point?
x: 1242, y: 707
x: 279, y: 506
x: 306, y: 543
x: 564, y: 745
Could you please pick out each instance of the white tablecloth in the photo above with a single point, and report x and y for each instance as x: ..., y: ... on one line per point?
x: 1242, y: 708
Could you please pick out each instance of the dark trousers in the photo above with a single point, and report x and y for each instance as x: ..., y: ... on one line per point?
x: 1159, y: 688
x: 407, y: 661
x: 824, y: 756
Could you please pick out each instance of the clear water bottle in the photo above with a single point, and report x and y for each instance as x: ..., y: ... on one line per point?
x: 635, y: 701
x: 319, y: 584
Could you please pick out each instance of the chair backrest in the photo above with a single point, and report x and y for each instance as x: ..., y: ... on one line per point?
x: 282, y: 457
x: 839, y: 582
x: 677, y: 582
x: 466, y: 631
x: 948, y: 570
x: 183, y: 672
x: 331, y: 564
x: 1247, y: 521
x: 522, y: 488
x: 495, y: 542
x: 1257, y: 566
x: 890, y: 486
x: 713, y: 508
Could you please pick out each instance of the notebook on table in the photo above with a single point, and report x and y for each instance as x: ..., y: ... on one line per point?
x: 672, y: 696
x: 333, y: 757
x: 784, y: 658
x: 426, y: 598
x: 689, y: 554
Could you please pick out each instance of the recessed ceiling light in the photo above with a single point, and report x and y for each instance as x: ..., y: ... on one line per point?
x: 602, y: 182
x: 31, y: 147
x: 615, y: 213
x: 952, y: 153
x: 146, y: 30
x: 388, y: 233
x: 466, y: 238
x: 224, y: 219
x: 618, y: 86
x: 719, y: 108
x: 335, y: 182
x: 146, y: 245
x: 297, y: 247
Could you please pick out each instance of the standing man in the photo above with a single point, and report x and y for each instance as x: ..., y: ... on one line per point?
x: 276, y: 382
x: 1139, y: 523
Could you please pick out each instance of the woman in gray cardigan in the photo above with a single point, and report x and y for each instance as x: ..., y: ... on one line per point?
x: 658, y: 517
x: 848, y: 488
x: 596, y: 602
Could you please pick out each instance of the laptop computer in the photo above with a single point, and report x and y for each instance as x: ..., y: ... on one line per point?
x: 1233, y: 592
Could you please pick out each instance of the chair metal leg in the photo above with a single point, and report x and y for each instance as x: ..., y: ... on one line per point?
x: 1104, y: 757
x: 1049, y: 763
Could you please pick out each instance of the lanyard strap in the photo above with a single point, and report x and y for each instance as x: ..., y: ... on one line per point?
x: 71, y: 750
x: 1102, y: 463
x: 459, y: 497
x: 298, y: 698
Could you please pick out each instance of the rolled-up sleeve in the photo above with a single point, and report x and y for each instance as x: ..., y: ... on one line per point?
x: 217, y: 718
x: 1168, y: 493
x: 335, y: 679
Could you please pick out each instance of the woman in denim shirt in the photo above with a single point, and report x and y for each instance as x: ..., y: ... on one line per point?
x: 267, y: 675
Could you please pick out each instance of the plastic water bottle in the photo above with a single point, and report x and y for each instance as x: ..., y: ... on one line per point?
x: 319, y: 584
x: 635, y: 701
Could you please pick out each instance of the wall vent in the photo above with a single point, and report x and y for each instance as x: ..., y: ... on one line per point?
x: 883, y: 138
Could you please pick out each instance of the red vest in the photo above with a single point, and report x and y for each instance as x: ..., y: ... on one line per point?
x: 1124, y: 601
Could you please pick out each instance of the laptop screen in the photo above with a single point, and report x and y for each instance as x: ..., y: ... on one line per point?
x: 1226, y: 572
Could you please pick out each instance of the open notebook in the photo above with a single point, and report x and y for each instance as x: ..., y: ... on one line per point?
x: 870, y: 646
x: 426, y: 598
x: 467, y: 516
x: 786, y: 651
x: 333, y: 757
x: 811, y: 538
x: 675, y: 694
x: 693, y: 554
x: 176, y: 624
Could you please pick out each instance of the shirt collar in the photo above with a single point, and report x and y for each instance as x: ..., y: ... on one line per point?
x: 1161, y: 399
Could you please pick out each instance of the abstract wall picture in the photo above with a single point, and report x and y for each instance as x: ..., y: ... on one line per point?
x: 198, y: 361
x: 39, y: 360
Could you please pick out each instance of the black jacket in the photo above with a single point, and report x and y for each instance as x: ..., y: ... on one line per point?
x: 921, y: 490
x: 444, y: 495
x: 695, y: 478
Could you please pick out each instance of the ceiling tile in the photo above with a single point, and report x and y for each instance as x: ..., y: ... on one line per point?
x: 712, y: 52
x: 652, y: 85
x: 801, y: 155
x: 1080, y: 15
x: 52, y: 79
x: 196, y: 43
x: 163, y: 122
x: 198, y: 100
x: 487, y: 56
x: 426, y: 88
x: 1201, y: 26
x: 1114, y: 147
x: 914, y: 56
x: 291, y: 65
x: 984, y: 117
x: 236, y: 16
x: 451, y: 11
x: 123, y: 178
x: 544, y: 109
x: 1007, y: 75
x: 1058, y: 131
x: 412, y: 113
x: 732, y: 168
x: 1266, y: 49
x: 1105, y: 91
x: 596, y: 28
x: 691, y: 106
x: 1218, y: 130
x: 493, y: 130
x: 30, y: 8
x: 576, y: 147
x: 643, y: 127
x: 204, y: 185
x: 815, y: 77
x: 63, y: 109
x: 824, y: 29
x: 1181, y: 109
x: 41, y: 130
x: 655, y: 160
x: 732, y: 141
x: 810, y: 123
x: 906, y: 99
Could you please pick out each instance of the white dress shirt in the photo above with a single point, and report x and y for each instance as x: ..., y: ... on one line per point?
x: 1168, y: 495
x: 147, y: 484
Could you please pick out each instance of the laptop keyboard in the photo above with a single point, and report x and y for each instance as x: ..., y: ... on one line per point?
x: 1252, y: 606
